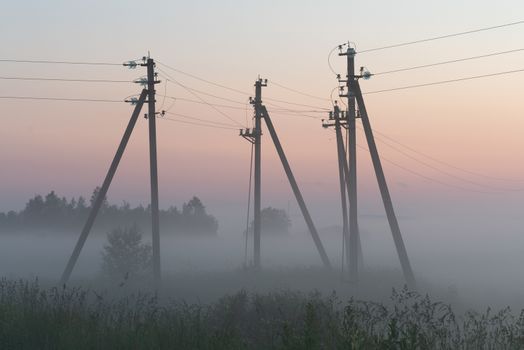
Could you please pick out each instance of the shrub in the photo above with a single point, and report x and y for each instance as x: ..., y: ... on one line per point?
x: 126, y: 255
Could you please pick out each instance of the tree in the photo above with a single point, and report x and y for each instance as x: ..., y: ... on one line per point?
x: 195, y: 220
x: 126, y: 255
x: 273, y: 221
x: 60, y: 214
x: 81, y: 204
x: 94, y: 196
x: 34, y: 209
x: 53, y: 208
x: 194, y: 207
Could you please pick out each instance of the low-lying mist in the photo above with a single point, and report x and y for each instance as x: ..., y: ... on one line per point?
x: 470, y: 269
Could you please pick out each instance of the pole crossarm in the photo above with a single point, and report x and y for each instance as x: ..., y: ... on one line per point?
x: 248, y: 134
x: 341, y: 120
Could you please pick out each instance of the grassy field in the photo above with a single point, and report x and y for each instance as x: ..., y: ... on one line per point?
x: 34, y: 317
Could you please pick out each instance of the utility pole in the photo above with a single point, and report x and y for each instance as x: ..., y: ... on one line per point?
x: 257, y: 103
x: 341, y: 121
x: 355, y: 248
x: 254, y: 136
x: 155, y: 218
x: 354, y: 96
x: 149, y: 93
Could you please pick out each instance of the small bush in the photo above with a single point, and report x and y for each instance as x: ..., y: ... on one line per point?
x: 126, y: 255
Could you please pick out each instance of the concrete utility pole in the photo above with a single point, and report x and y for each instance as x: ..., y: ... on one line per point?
x: 355, y: 248
x: 254, y: 137
x: 354, y: 98
x: 339, y: 120
x: 155, y: 218
x: 148, y: 93
x: 257, y: 103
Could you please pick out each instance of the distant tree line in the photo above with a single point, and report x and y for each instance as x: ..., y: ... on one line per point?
x: 53, y: 213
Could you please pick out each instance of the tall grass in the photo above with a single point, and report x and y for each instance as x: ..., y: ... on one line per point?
x: 32, y: 317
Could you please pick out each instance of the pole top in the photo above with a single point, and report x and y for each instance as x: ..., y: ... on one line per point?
x: 261, y: 82
x: 350, y: 51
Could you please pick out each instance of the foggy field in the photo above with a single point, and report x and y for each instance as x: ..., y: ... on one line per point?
x: 475, y: 275
x: 469, y: 291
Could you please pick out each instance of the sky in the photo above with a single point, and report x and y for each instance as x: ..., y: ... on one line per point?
x: 473, y: 125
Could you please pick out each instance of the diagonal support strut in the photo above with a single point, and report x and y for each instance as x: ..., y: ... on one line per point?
x: 296, y: 190
x: 103, y: 190
x: 384, y: 191
x: 343, y: 179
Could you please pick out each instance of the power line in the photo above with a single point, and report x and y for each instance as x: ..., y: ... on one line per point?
x: 198, y: 124
x: 284, y: 109
x: 383, y: 135
x: 67, y: 80
x: 164, y: 97
x: 204, y: 80
x: 299, y: 111
x: 442, y: 37
x: 450, y: 61
x: 331, y: 94
x: 208, y: 94
x: 318, y: 109
x: 295, y: 104
x: 200, y: 98
x: 279, y: 109
x: 208, y: 104
x: 297, y: 91
x: 228, y: 88
x: 295, y: 115
x: 429, y: 178
x: 203, y: 103
x: 200, y: 119
x: 62, y: 62
x: 460, y: 178
x: 58, y: 99
x: 441, y: 161
x: 444, y: 82
x: 329, y: 59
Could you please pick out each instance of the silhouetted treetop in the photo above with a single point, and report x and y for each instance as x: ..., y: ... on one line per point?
x: 273, y: 221
x: 52, y: 213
